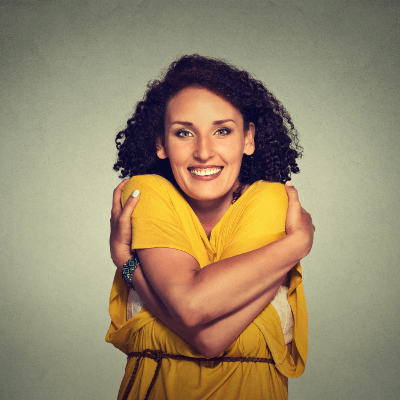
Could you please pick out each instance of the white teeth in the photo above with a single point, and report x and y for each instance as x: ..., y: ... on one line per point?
x: 205, y: 172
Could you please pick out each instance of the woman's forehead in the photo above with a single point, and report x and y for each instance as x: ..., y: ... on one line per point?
x: 199, y: 104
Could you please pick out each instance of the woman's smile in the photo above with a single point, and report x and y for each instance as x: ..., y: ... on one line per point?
x: 205, y: 172
x: 205, y: 141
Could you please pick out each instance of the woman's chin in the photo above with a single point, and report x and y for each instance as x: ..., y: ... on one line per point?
x: 207, y: 189
x: 209, y: 195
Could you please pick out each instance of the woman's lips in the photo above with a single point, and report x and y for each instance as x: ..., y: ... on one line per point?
x: 205, y: 173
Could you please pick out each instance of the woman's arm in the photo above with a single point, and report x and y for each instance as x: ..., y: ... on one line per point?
x: 298, y: 224
x: 209, y: 339
x: 195, y: 295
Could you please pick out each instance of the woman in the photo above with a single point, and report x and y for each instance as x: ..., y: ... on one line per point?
x: 209, y: 231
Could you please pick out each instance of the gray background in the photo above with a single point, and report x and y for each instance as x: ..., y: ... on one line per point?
x: 71, y: 73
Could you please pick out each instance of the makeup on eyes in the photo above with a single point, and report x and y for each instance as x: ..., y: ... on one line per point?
x: 220, y: 132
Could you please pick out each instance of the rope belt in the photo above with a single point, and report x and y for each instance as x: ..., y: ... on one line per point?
x: 158, y: 356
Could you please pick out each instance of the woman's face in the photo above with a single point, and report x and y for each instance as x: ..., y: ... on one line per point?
x: 205, y: 142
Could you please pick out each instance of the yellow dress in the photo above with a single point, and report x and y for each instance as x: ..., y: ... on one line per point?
x: 163, y: 218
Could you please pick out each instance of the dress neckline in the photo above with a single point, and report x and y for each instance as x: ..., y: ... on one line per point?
x: 230, y: 209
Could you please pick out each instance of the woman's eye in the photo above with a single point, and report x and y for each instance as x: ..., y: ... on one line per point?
x: 184, y: 134
x: 223, y: 132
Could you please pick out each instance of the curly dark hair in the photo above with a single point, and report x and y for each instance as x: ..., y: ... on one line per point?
x: 276, y: 141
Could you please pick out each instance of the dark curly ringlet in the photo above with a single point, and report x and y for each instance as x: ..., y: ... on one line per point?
x: 276, y: 142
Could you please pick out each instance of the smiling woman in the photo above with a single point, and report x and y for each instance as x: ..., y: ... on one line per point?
x: 214, y: 294
x: 205, y: 142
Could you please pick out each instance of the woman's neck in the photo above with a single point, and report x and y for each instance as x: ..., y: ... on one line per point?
x: 210, y: 212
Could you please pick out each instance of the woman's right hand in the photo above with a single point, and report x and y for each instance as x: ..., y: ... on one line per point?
x: 299, y: 222
x: 121, y: 226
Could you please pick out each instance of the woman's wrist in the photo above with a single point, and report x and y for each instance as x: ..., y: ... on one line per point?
x: 128, y: 270
x: 121, y: 258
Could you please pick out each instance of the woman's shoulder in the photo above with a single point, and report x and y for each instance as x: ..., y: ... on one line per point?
x: 151, y: 181
x: 273, y: 188
x: 149, y: 186
x: 257, y: 218
x: 266, y: 193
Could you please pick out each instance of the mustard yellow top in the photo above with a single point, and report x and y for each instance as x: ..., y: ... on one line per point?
x: 163, y: 218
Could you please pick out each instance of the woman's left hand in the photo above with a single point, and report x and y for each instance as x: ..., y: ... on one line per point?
x: 121, y: 227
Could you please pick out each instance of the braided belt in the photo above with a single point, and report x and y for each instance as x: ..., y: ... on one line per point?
x: 158, y: 356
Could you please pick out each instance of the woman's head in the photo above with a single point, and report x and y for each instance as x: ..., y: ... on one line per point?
x: 204, y: 142
x: 276, y: 147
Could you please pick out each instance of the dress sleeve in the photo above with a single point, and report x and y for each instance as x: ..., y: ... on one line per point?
x: 160, y: 216
x: 259, y: 220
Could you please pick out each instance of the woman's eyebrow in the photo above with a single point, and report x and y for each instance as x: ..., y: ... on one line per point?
x: 219, y: 122
x: 222, y: 121
x: 182, y: 123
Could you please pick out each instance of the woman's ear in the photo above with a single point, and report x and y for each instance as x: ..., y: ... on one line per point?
x: 249, y: 146
x: 161, y: 153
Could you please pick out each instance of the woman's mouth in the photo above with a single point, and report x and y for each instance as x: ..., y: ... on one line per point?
x: 205, y: 171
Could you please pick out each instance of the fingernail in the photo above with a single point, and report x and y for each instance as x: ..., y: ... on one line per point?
x: 135, y: 193
x: 288, y: 183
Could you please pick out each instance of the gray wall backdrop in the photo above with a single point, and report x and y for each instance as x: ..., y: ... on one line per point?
x: 71, y: 73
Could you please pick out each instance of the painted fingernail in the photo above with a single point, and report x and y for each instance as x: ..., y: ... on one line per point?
x: 288, y: 183
x: 135, y: 193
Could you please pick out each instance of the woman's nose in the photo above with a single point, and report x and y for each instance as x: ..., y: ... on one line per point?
x: 204, y: 149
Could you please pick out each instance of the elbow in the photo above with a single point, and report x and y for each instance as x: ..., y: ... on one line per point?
x: 209, y: 352
x: 209, y: 348
x: 185, y: 319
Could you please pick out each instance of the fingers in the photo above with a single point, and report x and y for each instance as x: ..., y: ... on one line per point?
x: 117, y: 195
x: 309, y: 217
x: 292, y: 193
x: 130, y: 206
